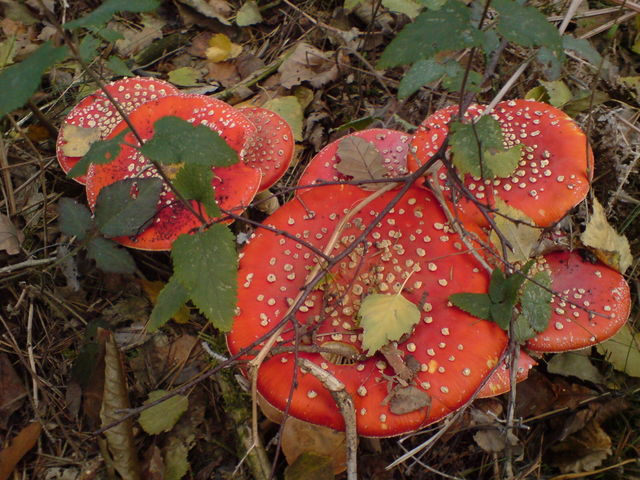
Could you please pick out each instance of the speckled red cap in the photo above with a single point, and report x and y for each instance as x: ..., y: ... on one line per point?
x: 600, y: 305
x: 448, y: 351
x: 555, y: 169
x: 97, y: 111
x: 500, y: 380
x: 235, y: 186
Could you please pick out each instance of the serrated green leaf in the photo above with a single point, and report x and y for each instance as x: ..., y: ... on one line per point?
x: 74, y: 219
x: 476, y: 304
x: 469, y: 142
x: 177, y: 141
x: 105, y: 11
x: 522, y: 237
x: 501, y: 314
x: 420, y: 74
x: 385, y: 318
x: 176, y: 459
x: 455, y: 76
x: 432, y: 32
x: 162, y: 417
x: 18, y: 82
x: 125, y: 207
x: 558, y: 92
x: 551, y: 61
x: 623, y: 351
x: 109, y: 257
x: 503, y: 163
x: 117, y: 66
x: 535, y: 301
x: 107, y: 34
x: 582, y: 47
x: 522, y: 331
x: 101, y: 152
x: 88, y: 48
x: 171, y: 299
x: 194, y: 183
x: 209, y: 255
x: 513, y: 283
x: 497, y: 286
x: 526, y: 26
x: 409, y: 7
x: 248, y: 14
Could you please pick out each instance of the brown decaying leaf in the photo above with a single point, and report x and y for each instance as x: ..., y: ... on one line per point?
x: 10, y: 237
x: 408, y: 399
x: 362, y: 161
x: 215, y: 9
x: 12, y: 390
x: 583, y: 451
x: 135, y: 38
x: 119, y: 437
x: 307, y: 64
x: 309, y: 466
x: 19, y: 446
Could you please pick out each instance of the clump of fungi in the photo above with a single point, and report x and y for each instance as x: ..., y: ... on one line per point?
x: 301, y: 293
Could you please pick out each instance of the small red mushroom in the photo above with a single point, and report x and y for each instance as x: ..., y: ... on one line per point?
x: 555, y: 169
x: 271, y: 148
x: 392, y: 145
x: 593, y: 303
x: 235, y: 186
x: 447, y: 354
x: 97, y: 111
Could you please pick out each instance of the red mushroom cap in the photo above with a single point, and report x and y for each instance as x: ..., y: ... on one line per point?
x: 271, y: 149
x: 235, y: 186
x: 449, y: 351
x: 393, y: 145
x: 556, y: 165
x: 97, y: 111
x: 602, y: 297
x: 500, y: 380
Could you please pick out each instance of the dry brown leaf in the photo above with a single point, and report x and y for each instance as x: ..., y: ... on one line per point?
x: 408, y: 399
x: 115, y: 398
x: 216, y: 9
x: 583, y: 451
x: 493, y: 440
x: 78, y: 139
x: 521, y: 236
x: 19, y: 446
x: 10, y: 237
x: 299, y: 437
x: 307, y: 64
x: 135, y: 38
x: 12, y: 391
x: 362, y: 161
x: 610, y: 247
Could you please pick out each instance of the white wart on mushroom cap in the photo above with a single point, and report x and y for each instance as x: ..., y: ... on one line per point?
x: 235, y: 186
x: 448, y: 351
x: 555, y: 169
x: 593, y: 304
x: 97, y: 111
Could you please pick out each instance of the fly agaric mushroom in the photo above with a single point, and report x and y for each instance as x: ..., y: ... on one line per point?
x: 593, y: 304
x: 428, y: 373
x: 500, y: 380
x: 97, y: 111
x: 391, y: 145
x: 271, y: 148
x: 235, y: 186
x: 555, y: 168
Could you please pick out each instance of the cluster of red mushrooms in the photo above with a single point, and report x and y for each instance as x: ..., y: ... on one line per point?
x: 412, y: 251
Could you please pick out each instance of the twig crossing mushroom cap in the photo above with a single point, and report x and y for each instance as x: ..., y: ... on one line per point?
x: 235, y: 186
x: 448, y: 352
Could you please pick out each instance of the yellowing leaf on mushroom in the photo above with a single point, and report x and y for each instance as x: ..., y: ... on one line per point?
x: 385, y: 318
x: 517, y: 230
x: 78, y: 139
x: 609, y: 246
x: 361, y: 160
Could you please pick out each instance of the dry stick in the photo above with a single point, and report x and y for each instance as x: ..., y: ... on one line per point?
x: 6, y: 176
x: 347, y: 409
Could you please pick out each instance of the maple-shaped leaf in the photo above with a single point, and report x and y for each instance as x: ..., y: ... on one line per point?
x: 362, y: 161
x: 610, y: 247
x: 385, y: 318
x: 520, y: 234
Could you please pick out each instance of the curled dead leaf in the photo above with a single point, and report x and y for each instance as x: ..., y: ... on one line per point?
x: 10, y: 237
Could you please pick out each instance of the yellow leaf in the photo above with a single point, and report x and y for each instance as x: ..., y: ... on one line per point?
x: 385, y: 318
x: 152, y: 290
x: 221, y: 48
x: 78, y: 139
x: 623, y: 351
x: 610, y: 247
x: 290, y: 109
x: 522, y: 237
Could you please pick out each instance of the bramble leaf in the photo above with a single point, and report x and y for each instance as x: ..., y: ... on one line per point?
x: 208, y: 255
x: 168, y: 303
x: 194, y: 183
x: 74, y: 219
x: 535, y: 301
x: 476, y: 304
x: 162, y: 417
x: 385, y: 318
x: 110, y: 257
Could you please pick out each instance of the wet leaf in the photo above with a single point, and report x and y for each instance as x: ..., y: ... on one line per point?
x: 248, y: 14
x: 210, y: 254
x: 18, y: 448
x: 623, y: 351
x: 610, y: 247
x: 74, y: 219
x: 162, y: 417
x: 361, y: 160
x: 10, y: 237
x: 522, y: 237
x: 110, y: 257
x: 385, y: 318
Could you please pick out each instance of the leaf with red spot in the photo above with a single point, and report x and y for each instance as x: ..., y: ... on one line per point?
x: 385, y: 318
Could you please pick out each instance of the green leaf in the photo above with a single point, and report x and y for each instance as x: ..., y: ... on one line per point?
x: 162, y: 417
x: 177, y: 141
x: 209, y: 255
x: 522, y: 331
x: 448, y: 28
x: 185, y: 76
x: 516, y: 227
x: 89, y: 48
x: 623, y: 351
x: 535, y: 301
x: 420, y: 74
x: 194, y: 183
x: 125, y: 207
x: 582, y: 47
x: 101, y: 152
x: 248, y: 14
x: 497, y: 286
x: 575, y: 364
x: 176, y: 459
x: 291, y: 110
x: 476, y: 304
x: 385, y: 318
x: 310, y: 466
x: 410, y: 8
x: 558, y: 92
x: 110, y: 257
x: 18, y: 82
x: 526, y: 26
x: 501, y: 314
x: 74, y: 219
x: 105, y: 11
x: 503, y: 163
x: 551, y: 61
x: 107, y: 34
x: 170, y: 300
x: 117, y: 66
